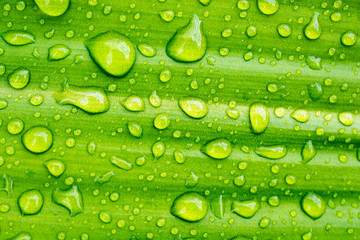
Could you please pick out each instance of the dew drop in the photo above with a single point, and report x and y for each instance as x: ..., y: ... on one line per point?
x: 246, y: 208
x: 146, y: 50
x: 53, y: 7
x: 272, y: 152
x: 15, y: 126
x: 312, y: 30
x: 19, y: 78
x: 120, y: 163
x: 37, y: 139
x: 30, y: 202
x: 134, y: 103
x: 18, y: 38
x: 58, y: 52
x: 194, y: 107
x: 219, y: 148
x: 259, y: 117
x: 190, y: 206
x: 71, y: 199
x: 348, y: 39
x: 55, y: 167
x: 300, y: 115
x: 308, y: 152
x: 162, y: 121
x: 135, y: 129
x: 268, y: 7
x: 313, y: 205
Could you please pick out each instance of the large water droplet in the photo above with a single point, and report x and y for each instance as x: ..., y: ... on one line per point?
x: 190, y: 206
x: 135, y: 129
x: 313, y: 31
x: 315, y: 91
x: 70, y: 199
x: 90, y: 99
x: 313, y: 205
x: 134, y: 103
x: 120, y: 163
x: 21, y: 236
x: 268, y: 7
x: 37, y: 139
x: 19, y: 78
x: 15, y: 126
x: 30, y: 202
x: 146, y: 50
x: 348, y: 39
x: 301, y: 115
x: 271, y: 152
x: 58, y: 52
x: 55, y: 167
x: 246, y: 208
x: 219, y: 148
x: 158, y: 149
x: 259, y: 117
x: 113, y: 52
x: 218, y: 206
x: 346, y: 118
x: 284, y: 30
x: 308, y: 152
x: 189, y: 43
x: 193, y: 107
x: 53, y: 7
x: 18, y: 38
x: 162, y: 121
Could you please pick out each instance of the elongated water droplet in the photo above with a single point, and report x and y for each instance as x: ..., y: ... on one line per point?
x: 154, y: 99
x: 218, y: 206
x: 259, y: 117
x: 219, y: 148
x: 21, y: 236
x: 272, y: 152
x: 113, y: 52
x: 233, y: 113
x: 190, y: 206
x: 346, y: 118
x: 268, y: 7
x: 189, y: 43
x: 18, y: 38
x: 348, y: 39
x: 104, y: 178
x: 314, y: 63
x: 37, y: 139
x: 146, y: 50
x: 315, y: 91
x: 179, y: 157
x: 300, y: 115
x: 8, y: 185
x: 53, y: 7
x: 158, y: 149
x: 313, y: 31
x: 191, y: 180
x: 193, y: 107
x: 313, y: 205
x: 162, y: 121
x: 91, y: 148
x: 134, y: 103
x: 15, y: 126
x: 120, y: 163
x: 71, y: 199
x: 135, y: 129
x: 246, y: 208
x: 58, y: 52
x: 30, y: 202
x: 90, y: 99
x: 308, y: 152
x: 56, y: 167
x: 19, y: 78
x: 165, y: 75
x: 264, y: 222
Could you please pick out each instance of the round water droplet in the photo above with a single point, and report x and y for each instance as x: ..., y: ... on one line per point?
x: 53, y: 7
x: 58, y: 52
x: 313, y: 205
x: 346, y: 118
x: 313, y: 31
x: 167, y: 15
x: 55, y: 167
x: 348, y: 39
x: 246, y: 208
x: 135, y: 129
x: 18, y: 38
x: 134, y: 103
x: 162, y: 121
x: 190, y: 206
x: 30, y: 202
x: 146, y: 50
x: 251, y: 31
x: 189, y: 43
x: 36, y: 100
x: 15, y: 126
x: 243, y: 4
x: 239, y: 181
x: 20, y: 78
x: 301, y: 115
x: 274, y: 201
x: 218, y: 148
x: 105, y: 217
x: 264, y: 222
x: 113, y: 52
x: 193, y: 107
x: 259, y: 117
x: 268, y: 7
x: 3, y: 103
x: 37, y: 139
x: 284, y: 30
x: 158, y: 149
x: 272, y: 152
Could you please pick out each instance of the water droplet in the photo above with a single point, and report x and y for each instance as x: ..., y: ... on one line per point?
x: 8, y: 185
x: 251, y: 31
x: 179, y: 157
x: 120, y: 163
x: 55, y: 167
x: 134, y: 103
x: 3, y: 103
x: 264, y: 222
x: 315, y: 91
x: 219, y: 148
x: 300, y: 115
x: 58, y: 52
x: 15, y: 126
x: 218, y: 206
x: 314, y: 63
x: 268, y: 7
x: 346, y: 118
x: 21, y: 236
x: 271, y: 152
x: 246, y: 208
x: 243, y: 4
x: 313, y: 31
x: 284, y: 30
x: 205, y: 2
x: 36, y: 100
x: 162, y: 121
x: 307, y: 236
x: 106, y: 177
x: 189, y: 43
x: 193, y: 107
x: 259, y: 117
x: 146, y: 50
x: 335, y: 17
x: 71, y: 199
x: 239, y: 181
x: 90, y: 99
x: 91, y: 148
x: 232, y: 113
x: 154, y: 99
x: 290, y: 179
x: 274, y: 201
x: 18, y: 38
x: 167, y: 15
x: 53, y: 7
x: 105, y: 217
x: 190, y: 206
x: 191, y: 180
x: 19, y: 78
x: 308, y: 152
x: 165, y: 75
x: 113, y: 52
x: 135, y: 129
x: 37, y: 139
x: 348, y: 39
x: 158, y: 149
x: 313, y: 205
x: 30, y: 202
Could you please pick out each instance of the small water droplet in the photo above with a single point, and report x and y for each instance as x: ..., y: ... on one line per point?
x: 134, y: 103
x: 179, y: 157
x: 71, y: 199
x: 243, y: 4
x: 105, y: 217
x: 135, y: 129
x: 91, y: 148
x: 264, y: 222
x: 218, y: 206
x: 30, y: 202
x: 219, y: 148
x: 246, y: 208
x: 284, y: 30
x: 191, y: 180
x: 348, y: 39
x: 37, y: 139
x: 15, y: 126
x: 56, y: 167
x: 190, y: 206
x: 239, y: 181
x: 167, y: 15
x: 154, y: 99
x: 314, y: 63
x: 346, y: 118
x: 315, y: 91
x: 205, y: 2
x: 158, y: 149
x: 146, y: 50
x: 165, y: 75
x: 162, y: 121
